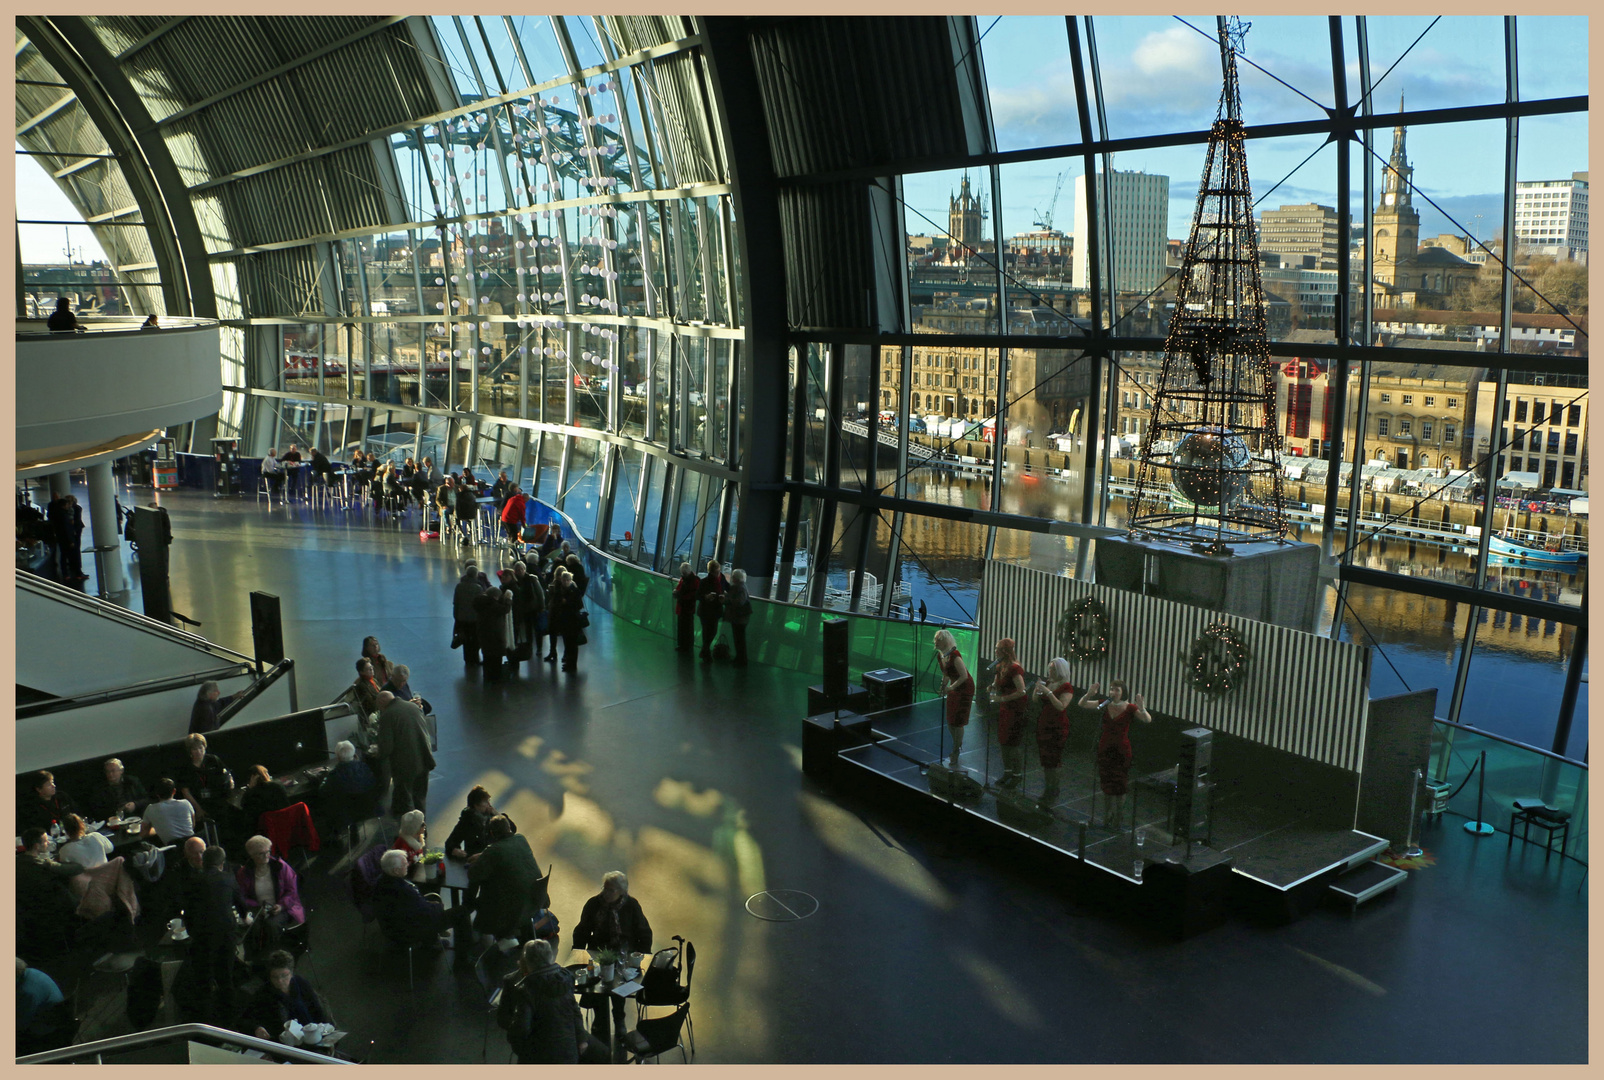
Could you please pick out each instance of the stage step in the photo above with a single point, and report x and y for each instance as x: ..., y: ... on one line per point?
x: 1366, y: 882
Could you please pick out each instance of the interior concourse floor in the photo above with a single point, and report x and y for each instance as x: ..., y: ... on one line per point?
x: 688, y: 776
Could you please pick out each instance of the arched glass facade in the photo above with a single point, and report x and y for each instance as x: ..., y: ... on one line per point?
x: 511, y: 242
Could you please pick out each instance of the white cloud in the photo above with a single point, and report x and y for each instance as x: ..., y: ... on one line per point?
x: 1176, y: 51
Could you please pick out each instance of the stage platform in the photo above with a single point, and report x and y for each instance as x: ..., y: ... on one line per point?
x: 1265, y: 861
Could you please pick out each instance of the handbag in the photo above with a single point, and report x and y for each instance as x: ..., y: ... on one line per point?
x: 456, y: 638
x: 582, y: 618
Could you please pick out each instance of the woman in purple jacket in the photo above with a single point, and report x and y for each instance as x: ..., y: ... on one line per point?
x: 268, y: 887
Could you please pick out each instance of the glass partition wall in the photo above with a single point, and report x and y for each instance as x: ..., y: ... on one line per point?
x: 534, y: 264
x: 1427, y: 372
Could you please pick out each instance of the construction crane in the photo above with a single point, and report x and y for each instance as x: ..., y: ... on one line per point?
x: 1045, y: 221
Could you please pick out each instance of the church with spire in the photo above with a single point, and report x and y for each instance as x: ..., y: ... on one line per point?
x: 1406, y: 274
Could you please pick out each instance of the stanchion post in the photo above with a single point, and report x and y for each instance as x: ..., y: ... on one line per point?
x: 1410, y: 850
x: 1480, y: 827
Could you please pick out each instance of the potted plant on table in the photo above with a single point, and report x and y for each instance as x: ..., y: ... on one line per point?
x: 606, y: 958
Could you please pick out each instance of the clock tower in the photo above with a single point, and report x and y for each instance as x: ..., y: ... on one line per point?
x: 1397, y: 222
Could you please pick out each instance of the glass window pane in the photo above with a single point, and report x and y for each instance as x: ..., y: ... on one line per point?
x: 1514, y: 650
x: 1551, y: 55
x: 1030, y: 80
x: 952, y: 269
x: 1436, y: 62
x: 1416, y: 639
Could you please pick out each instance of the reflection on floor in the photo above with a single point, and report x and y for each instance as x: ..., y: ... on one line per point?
x: 688, y: 777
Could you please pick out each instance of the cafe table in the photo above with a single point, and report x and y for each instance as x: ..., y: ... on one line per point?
x: 594, y: 994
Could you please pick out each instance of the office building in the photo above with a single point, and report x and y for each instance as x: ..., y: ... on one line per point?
x: 1138, y: 220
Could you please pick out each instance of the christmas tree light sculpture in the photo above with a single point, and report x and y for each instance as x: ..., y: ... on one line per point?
x: 1216, y: 481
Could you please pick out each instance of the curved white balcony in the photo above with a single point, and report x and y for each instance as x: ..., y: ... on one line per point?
x: 111, y: 388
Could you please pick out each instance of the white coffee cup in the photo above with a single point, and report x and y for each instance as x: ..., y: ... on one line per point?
x: 176, y: 925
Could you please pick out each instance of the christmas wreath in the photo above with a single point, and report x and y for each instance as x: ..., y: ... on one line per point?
x: 1218, y: 660
x: 1083, y: 630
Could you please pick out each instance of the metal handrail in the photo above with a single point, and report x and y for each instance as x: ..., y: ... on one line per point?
x: 46, y: 587
x: 140, y: 689
x: 208, y: 1033
x: 130, y: 324
x: 1528, y: 747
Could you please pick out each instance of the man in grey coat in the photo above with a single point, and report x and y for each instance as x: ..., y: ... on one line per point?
x: 404, y: 749
x: 462, y: 611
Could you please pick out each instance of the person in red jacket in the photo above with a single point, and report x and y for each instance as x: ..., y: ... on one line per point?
x: 512, y: 514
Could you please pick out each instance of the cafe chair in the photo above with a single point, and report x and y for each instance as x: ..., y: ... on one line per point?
x: 655, y: 1037
x: 289, y: 829
x: 265, y: 488
x: 667, y: 982
x: 118, y: 964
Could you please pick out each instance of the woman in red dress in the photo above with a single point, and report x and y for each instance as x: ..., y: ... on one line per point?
x: 958, y: 687
x: 1114, y: 744
x: 1052, y: 725
x: 1008, y: 694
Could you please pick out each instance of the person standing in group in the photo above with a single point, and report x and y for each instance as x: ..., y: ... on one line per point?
x: 66, y: 520
x: 738, y: 612
x: 1008, y: 694
x: 576, y: 570
x: 685, y: 607
x: 529, y: 603
x: 1114, y: 744
x: 710, y: 605
x: 382, y: 668
x: 568, y: 606
x: 958, y: 687
x: 1057, y: 693
x: 464, y: 613
x: 490, y: 618
x: 404, y: 749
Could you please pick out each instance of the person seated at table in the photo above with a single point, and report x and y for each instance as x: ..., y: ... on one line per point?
x: 512, y: 513
x: 553, y: 1032
x: 365, y: 689
x: 348, y: 793
x: 613, y: 919
x: 62, y: 320
x: 467, y: 505
x: 410, y: 839
x: 472, y: 832
x: 83, y: 847
x: 284, y: 996
x: 393, y: 487
x: 501, y: 489
x: 292, y: 456
x: 169, y: 817
x: 205, y: 781
x: 470, y: 481
x: 400, y: 685
x: 445, y: 501
x: 44, y: 1019
x: 268, y: 886
x: 322, y: 466
x: 209, y: 701
x: 41, y: 804
x: 405, y: 915
x: 122, y: 795
x: 263, y: 794
x: 506, y: 873
x: 273, y: 469
x: 47, y: 921
x: 382, y: 668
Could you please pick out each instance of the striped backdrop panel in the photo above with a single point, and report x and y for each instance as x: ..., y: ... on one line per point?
x: 1303, y: 693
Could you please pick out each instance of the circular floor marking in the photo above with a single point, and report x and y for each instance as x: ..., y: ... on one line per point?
x: 781, y: 905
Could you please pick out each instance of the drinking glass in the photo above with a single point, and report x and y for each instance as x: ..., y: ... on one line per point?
x: 1141, y: 836
x: 1136, y: 871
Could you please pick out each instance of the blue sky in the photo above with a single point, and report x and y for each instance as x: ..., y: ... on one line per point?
x: 1162, y: 75
x: 1159, y: 74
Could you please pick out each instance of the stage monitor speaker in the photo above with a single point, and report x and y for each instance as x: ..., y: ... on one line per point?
x: 266, y: 630
x: 835, y: 660
x: 1192, y: 782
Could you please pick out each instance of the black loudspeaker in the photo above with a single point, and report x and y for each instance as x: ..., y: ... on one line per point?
x: 153, y: 532
x: 1192, y: 784
x: 835, y: 659
x: 266, y: 630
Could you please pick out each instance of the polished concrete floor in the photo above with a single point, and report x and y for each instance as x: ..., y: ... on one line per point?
x: 688, y: 777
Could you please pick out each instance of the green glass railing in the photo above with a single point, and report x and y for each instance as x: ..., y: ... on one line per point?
x: 781, y: 635
x: 1514, y: 771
